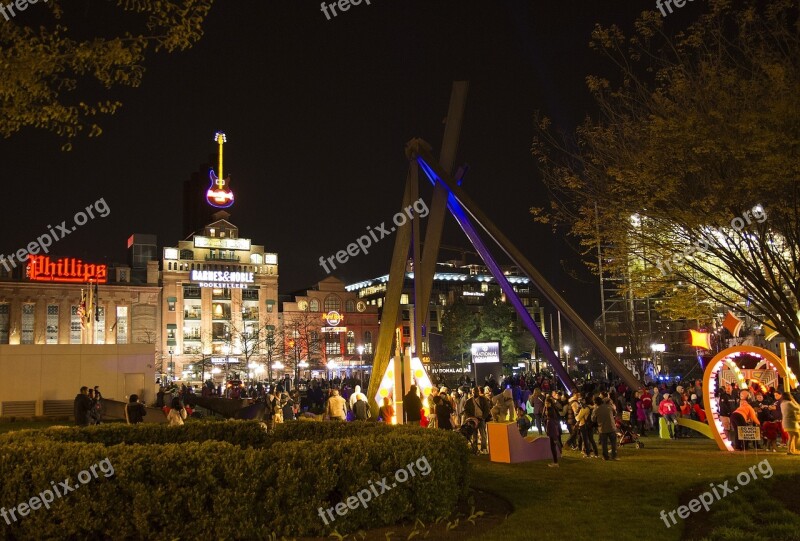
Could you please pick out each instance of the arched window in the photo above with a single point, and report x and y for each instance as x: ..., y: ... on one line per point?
x: 332, y: 302
x: 350, y: 306
x: 313, y: 305
x: 351, y: 342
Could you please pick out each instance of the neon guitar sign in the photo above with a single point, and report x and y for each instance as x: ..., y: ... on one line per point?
x: 219, y: 193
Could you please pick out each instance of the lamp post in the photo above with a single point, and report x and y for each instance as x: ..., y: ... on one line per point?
x: 566, y: 357
x: 360, y: 350
x: 331, y: 367
x: 171, y: 365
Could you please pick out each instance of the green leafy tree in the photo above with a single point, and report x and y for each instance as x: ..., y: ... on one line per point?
x: 51, y: 77
x: 688, y: 178
x: 497, y: 323
x: 459, y: 327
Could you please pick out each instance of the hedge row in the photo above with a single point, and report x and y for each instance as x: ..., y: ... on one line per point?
x: 241, y: 433
x: 217, y: 490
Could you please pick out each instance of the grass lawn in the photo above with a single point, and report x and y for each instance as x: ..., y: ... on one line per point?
x: 21, y: 425
x: 594, y: 499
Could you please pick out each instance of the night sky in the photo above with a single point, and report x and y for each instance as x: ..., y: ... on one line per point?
x: 317, y: 114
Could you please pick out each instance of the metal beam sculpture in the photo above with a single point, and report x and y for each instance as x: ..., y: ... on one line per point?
x: 447, y: 192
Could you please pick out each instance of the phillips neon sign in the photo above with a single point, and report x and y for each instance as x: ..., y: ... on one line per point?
x: 67, y: 270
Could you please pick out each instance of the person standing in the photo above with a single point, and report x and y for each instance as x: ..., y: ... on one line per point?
x: 586, y: 427
x: 361, y: 407
x: 387, y: 411
x: 177, y: 413
x: 82, y: 407
x: 777, y: 416
x: 336, y: 409
x: 553, y: 429
x: 669, y: 411
x: 134, y: 411
x: 444, y: 411
x: 603, y: 415
x: 790, y: 411
x: 412, y: 406
x: 478, y: 407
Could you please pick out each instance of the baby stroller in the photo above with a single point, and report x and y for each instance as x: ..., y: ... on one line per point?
x: 469, y: 429
x: 625, y: 433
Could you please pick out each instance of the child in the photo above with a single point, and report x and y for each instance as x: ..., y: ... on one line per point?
x: 523, y: 422
x: 769, y: 431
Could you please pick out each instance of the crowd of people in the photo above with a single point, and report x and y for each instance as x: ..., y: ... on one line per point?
x: 533, y: 401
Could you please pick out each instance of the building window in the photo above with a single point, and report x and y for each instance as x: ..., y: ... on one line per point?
x: 406, y: 331
x: 333, y: 345
x: 350, y: 306
x: 4, y: 322
x: 270, y: 305
x: 313, y: 305
x: 52, y: 324
x: 221, y: 294
x: 406, y: 315
x: 74, y: 326
x: 190, y: 292
x: 351, y: 342
x: 256, y: 259
x: 250, y: 294
x: 187, y: 254
x: 220, y: 310
x: 27, y: 323
x: 220, y: 331
x: 332, y: 303
x: 100, y: 326
x: 434, y: 315
x: 368, y: 342
x: 314, y: 343
x: 404, y: 298
x: 122, y: 324
x: 171, y: 303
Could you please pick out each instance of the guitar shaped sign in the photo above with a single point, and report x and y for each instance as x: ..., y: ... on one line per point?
x: 219, y: 193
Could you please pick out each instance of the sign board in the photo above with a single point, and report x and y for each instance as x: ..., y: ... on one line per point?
x: 333, y: 329
x: 333, y: 318
x: 224, y: 360
x: 626, y: 416
x: 67, y: 270
x: 226, y: 243
x: 222, y: 280
x: 749, y: 433
x: 486, y: 352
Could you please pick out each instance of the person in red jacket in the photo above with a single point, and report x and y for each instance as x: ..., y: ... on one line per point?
x: 669, y: 412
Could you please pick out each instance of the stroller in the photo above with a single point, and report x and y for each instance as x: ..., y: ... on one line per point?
x: 625, y: 432
x: 469, y: 429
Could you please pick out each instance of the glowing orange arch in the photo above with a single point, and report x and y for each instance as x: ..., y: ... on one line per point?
x: 710, y: 384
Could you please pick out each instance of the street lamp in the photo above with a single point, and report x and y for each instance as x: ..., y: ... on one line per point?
x: 171, y: 364
x: 566, y: 357
x: 331, y: 367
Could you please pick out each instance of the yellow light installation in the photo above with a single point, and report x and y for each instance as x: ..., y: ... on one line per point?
x: 700, y: 339
x: 733, y: 324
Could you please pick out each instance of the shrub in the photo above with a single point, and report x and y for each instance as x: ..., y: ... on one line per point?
x: 226, y: 491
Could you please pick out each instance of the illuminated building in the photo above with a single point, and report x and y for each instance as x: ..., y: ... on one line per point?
x: 330, y: 329
x: 220, y: 296
x: 452, y: 280
x: 41, y: 304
